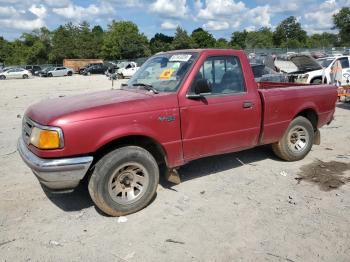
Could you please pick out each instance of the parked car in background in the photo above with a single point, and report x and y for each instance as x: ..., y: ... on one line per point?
x: 304, y: 65
x: 32, y: 68
x: 59, y: 71
x: 15, y: 73
x: 128, y: 69
x: 263, y: 73
x: 82, y: 69
x: 43, y: 72
x: 95, y: 69
x: 334, y: 53
x: 346, y: 52
x: 318, y: 54
x: 323, y: 75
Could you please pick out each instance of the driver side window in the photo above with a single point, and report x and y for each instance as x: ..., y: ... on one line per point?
x: 224, y: 75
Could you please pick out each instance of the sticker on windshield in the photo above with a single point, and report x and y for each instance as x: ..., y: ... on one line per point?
x: 166, y: 74
x: 176, y: 65
x: 180, y: 58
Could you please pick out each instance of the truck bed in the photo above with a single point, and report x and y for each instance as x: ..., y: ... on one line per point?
x: 282, y: 102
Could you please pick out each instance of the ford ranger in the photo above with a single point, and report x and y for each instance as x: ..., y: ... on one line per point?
x: 179, y: 106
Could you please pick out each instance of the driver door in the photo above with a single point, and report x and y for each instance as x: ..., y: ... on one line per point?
x: 227, y: 119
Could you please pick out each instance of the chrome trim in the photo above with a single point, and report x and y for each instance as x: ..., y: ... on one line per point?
x: 61, y: 173
x: 34, y: 124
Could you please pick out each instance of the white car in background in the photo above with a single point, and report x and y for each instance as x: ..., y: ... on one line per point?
x: 323, y: 75
x: 15, y: 73
x: 60, y: 71
x: 128, y: 69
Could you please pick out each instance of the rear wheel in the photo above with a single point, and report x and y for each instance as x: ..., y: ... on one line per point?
x: 49, y: 75
x: 124, y: 181
x: 297, y: 141
x: 25, y: 76
x: 70, y: 73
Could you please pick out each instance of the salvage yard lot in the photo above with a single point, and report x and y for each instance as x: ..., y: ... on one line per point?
x: 237, y: 207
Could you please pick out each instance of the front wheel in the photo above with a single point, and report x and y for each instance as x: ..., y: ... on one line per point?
x: 316, y: 81
x: 25, y: 76
x: 124, y: 181
x: 297, y: 141
x: 2, y: 77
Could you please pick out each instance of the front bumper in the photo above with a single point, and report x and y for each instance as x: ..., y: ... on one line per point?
x: 55, y: 174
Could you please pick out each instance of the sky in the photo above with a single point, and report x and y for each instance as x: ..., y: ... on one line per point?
x: 219, y: 17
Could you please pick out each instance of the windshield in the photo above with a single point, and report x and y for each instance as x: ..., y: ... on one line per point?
x: 164, y: 72
x: 325, y: 62
x: 122, y: 64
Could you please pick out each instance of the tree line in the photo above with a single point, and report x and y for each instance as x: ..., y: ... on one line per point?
x: 123, y: 40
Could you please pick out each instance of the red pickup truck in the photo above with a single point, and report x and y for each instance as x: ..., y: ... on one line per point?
x: 179, y: 106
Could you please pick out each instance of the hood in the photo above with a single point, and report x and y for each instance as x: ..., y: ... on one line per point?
x: 304, y: 63
x: 87, y: 106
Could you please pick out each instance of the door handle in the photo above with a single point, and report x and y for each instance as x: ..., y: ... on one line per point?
x: 247, y: 104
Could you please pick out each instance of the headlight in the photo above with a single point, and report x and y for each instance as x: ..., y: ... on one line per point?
x: 45, y: 139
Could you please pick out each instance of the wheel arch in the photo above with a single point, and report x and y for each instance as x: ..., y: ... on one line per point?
x: 311, y: 115
x: 146, y: 142
x: 316, y: 77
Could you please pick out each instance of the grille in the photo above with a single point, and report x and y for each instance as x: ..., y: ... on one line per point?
x: 27, y: 127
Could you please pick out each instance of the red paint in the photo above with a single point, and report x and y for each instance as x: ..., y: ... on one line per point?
x: 201, y: 127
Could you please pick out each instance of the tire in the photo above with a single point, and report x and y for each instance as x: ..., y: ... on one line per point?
x: 297, y: 141
x: 49, y: 75
x: 2, y: 77
x: 25, y: 76
x: 120, y: 76
x: 113, y: 180
x: 70, y: 73
x: 316, y: 81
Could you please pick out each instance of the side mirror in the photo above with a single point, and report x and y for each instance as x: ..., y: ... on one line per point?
x: 202, y: 87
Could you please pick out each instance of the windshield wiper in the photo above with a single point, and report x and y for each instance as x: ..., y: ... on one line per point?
x: 148, y: 87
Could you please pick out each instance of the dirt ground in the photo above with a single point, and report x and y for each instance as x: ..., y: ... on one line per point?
x: 246, y: 206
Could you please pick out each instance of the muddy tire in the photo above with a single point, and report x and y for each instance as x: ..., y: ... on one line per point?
x: 297, y: 141
x: 124, y: 181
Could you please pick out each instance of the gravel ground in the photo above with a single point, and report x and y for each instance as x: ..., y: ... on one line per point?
x: 246, y: 206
